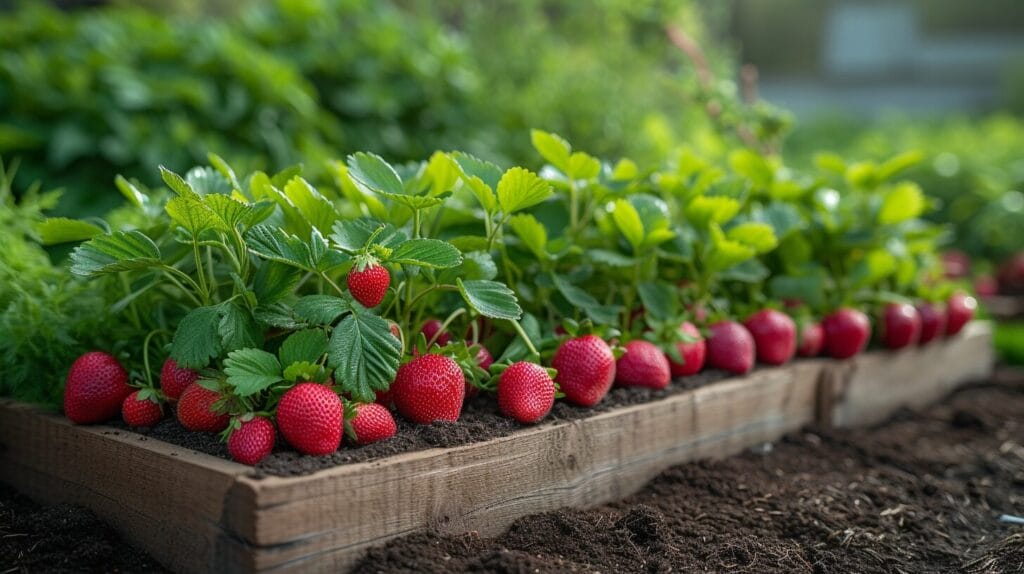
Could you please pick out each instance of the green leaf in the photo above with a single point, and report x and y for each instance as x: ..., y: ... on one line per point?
x: 810, y: 288
x: 224, y: 169
x: 229, y: 212
x: 191, y: 213
x: 577, y: 297
x: 475, y: 265
x: 441, y: 172
x: 197, y: 339
x: 724, y: 253
x: 750, y: 271
x: 353, y: 234
x: 178, y: 185
x: 303, y: 371
x: 783, y: 217
x: 132, y: 193
x: 531, y: 233
x: 238, y: 329
x: 250, y: 371
x: 752, y: 166
x: 610, y: 258
x: 490, y: 298
x: 278, y: 315
x: 481, y: 176
x: 628, y: 221
x: 118, y: 251
x: 430, y: 253
x: 206, y: 180
x: 275, y: 281
x: 303, y: 346
x: 274, y: 244
x: 582, y: 166
x: 904, y: 201
x: 314, y: 207
x: 899, y: 164
x: 757, y: 236
x: 321, y: 309
x: 53, y: 230
x: 703, y: 211
x: 373, y: 174
x: 521, y: 188
x: 876, y: 265
x: 660, y: 300
x: 364, y: 354
x: 552, y: 148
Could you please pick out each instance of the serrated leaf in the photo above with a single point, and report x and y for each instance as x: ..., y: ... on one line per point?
x: 178, y: 185
x: 490, y: 298
x: 53, y: 230
x: 753, y: 166
x: 303, y: 370
x: 191, y: 213
x: 430, y: 253
x: 303, y: 346
x: 197, y: 339
x: 441, y: 173
x: 206, y: 180
x: 611, y: 258
x: 274, y: 244
x: 475, y: 265
x: 531, y: 233
x: 274, y: 281
x: 278, y: 315
x: 251, y: 371
x: 876, y: 265
x: 582, y: 166
x: 373, y: 174
x: 321, y: 309
x: 577, y: 297
x: 228, y: 212
x: 131, y: 192
x: 353, y: 234
x: 224, y: 169
x: 783, y: 217
x: 552, y: 148
x: 238, y: 329
x: 521, y: 188
x: 364, y: 355
x: 724, y: 253
x: 118, y: 251
x: 481, y: 177
x: 628, y: 222
x: 659, y: 299
x: 703, y: 211
x: 314, y: 207
x: 758, y: 236
x: 904, y: 201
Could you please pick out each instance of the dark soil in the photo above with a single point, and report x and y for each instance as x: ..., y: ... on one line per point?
x: 480, y: 421
x: 922, y: 493
x: 61, y: 538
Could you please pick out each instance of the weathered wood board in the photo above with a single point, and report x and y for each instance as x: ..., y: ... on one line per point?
x: 197, y: 513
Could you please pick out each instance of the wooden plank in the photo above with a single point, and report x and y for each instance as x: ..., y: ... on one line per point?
x: 323, y: 522
x: 163, y: 498
x: 1004, y: 307
x: 869, y: 388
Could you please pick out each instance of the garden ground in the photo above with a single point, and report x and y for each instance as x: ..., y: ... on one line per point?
x: 922, y: 493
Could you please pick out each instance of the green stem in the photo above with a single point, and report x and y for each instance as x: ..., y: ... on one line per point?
x: 574, y: 208
x: 200, y: 273
x: 177, y: 277
x: 526, y: 338
x: 145, y: 354
x: 444, y: 326
x: 332, y: 283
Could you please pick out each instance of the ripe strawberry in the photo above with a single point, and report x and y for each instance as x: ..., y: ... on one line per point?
x: 174, y: 379
x: 901, y: 325
x: 693, y: 353
x: 141, y: 412
x: 526, y: 392
x: 812, y: 339
x: 933, y: 321
x: 310, y: 416
x: 252, y: 441
x: 586, y: 369
x: 774, y: 336
x: 368, y: 284
x: 643, y: 365
x: 483, y: 358
x: 959, y: 311
x: 432, y: 331
x: 372, y: 423
x: 96, y: 386
x: 194, y: 410
x: 429, y: 388
x: 846, y: 333
x: 731, y: 347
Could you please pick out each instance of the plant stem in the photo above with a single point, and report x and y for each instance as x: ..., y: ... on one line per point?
x: 200, y: 273
x: 526, y: 338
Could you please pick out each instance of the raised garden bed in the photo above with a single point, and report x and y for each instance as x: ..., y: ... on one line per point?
x: 196, y: 512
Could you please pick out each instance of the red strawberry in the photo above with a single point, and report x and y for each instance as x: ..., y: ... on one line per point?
x: 693, y: 353
x: 372, y: 423
x: 956, y: 263
x: 643, y: 365
x: 432, y: 331
x: 526, y: 392
x: 901, y: 325
x: 774, y: 336
x: 933, y: 321
x: 846, y: 333
x: 731, y: 347
x: 310, y: 416
x: 252, y: 441
x: 396, y: 331
x: 96, y: 386
x: 986, y: 286
x: 194, y: 410
x: 174, y: 379
x: 429, y: 388
x: 959, y: 311
x: 485, y: 360
x: 368, y: 284
x: 586, y: 369
x: 141, y: 412
x: 812, y: 339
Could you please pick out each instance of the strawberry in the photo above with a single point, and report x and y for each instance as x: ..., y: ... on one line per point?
x: 396, y: 331
x: 429, y: 388
x: 901, y: 325
x: 141, y: 411
x: 310, y: 416
x: 812, y: 339
x: 774, y: 336
x: 933, y: 321
x: 693, y: 353
x: 252, y: 441
x: 368, y: 283
x: 586, y: 369
x: 174, y: 379
x: 194, y: 410
x: 371, y: 423
x: 643, y: 365
x: 731, y: 347
x: 959, y: 311
x: 956, y: 264
x: 846, y: 333
x: 526, y: 392
x: 432, y: 331
x: 96, y: 387
x: 483, y: 358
